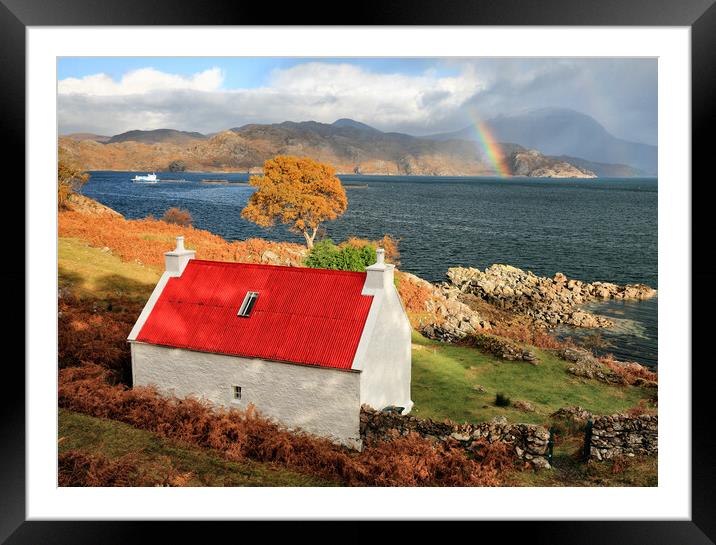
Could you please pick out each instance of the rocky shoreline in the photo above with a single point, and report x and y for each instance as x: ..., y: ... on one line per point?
x: 514, y: 294
x: 547, y: 301
x: 448, y: 319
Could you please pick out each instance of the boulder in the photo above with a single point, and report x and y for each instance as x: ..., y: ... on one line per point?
x: 524, y: 406
x: 448, y: 319
x: 575, y: 413
x: 270, y: 257
x: 551, y: 301
x: 501, y: 347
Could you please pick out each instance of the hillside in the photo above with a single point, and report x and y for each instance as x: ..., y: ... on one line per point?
x: 351, y: 147
x: 532, y: 163
x: 145, y: 456
x: 564, y: 132
x: 80, y: 136
x: 603, y: 170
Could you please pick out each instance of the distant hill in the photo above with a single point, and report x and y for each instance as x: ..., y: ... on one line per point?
x: 532, y: 163
x: 564, y: 132
x: 344, y: 122
x: 604, y: 170
x: 354, y: 147
x: 350, y: 146
x: 79, y: 136
x: 157, y: 136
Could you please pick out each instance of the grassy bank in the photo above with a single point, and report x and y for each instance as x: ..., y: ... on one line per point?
x: 111, y: 439
x: 448, y: 381
x: 569, y: 471
x: 94, y: 273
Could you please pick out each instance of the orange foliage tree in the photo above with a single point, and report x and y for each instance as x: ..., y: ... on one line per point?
x: 69, y: 180
x: 296, y: 191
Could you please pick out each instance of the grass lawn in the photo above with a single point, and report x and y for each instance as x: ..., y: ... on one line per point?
x: 89, y: 271
x: 445, y: 378
x: 114, y: 439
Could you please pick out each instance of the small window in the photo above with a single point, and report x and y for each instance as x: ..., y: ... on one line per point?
x: 248, y: 304
x: 236, y: 391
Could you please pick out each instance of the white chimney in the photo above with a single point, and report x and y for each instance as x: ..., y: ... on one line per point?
x: 380, y: 274
x: 177, y: 259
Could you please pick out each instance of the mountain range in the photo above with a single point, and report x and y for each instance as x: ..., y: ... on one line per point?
x: 354, y: 147
x: 564, y: 132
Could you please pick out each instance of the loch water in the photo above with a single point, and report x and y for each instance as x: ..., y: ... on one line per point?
x: 591, y: 229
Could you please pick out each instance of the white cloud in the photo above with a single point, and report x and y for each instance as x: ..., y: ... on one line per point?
x: 386, y: 100
x: 149, y: 99
x: 619, y: 93
x: 141, y: 81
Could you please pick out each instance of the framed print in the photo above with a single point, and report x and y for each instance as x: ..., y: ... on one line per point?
x: 406, y: 269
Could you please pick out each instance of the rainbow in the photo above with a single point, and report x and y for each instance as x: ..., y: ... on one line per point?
x: 492, y: 149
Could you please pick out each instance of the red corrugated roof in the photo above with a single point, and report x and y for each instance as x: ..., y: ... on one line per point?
x: 307, y: 316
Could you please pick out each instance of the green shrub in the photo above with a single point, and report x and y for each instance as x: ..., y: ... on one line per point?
x: 322, y: 255
x: 326, y: 255
x: 501, y: 400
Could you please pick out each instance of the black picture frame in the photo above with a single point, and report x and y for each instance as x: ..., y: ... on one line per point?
x: 699, y: 15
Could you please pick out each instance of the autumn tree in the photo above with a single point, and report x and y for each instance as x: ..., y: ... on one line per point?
x: 298, y: 192
x: 69, y: 180
x: 178, y: 216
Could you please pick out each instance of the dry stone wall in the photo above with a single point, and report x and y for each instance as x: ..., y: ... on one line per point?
x: 612, y: 435
x: 621, y: 434
x: 529, y: 442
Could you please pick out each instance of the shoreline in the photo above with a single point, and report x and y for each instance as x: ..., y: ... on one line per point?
x: 389, y: 175
x: 564, y: 308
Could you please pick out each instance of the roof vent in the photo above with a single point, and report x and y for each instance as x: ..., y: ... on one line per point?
x: 248, y: 304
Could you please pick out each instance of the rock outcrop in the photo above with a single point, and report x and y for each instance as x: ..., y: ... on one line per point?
x: 532, y: 163
x: 585, y: 365
x: 528, y: 442
x: 436, y: 315
x: 85, y: 205
x: 502, y: 348
x: 177, y: 166
x: 550, y: 301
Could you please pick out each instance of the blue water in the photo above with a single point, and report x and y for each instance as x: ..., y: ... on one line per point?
x: 602, y: 229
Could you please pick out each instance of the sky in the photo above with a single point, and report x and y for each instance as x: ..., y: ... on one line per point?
x: 419, y: 96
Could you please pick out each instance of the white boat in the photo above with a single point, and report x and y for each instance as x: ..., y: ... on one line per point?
x: 148, y: 179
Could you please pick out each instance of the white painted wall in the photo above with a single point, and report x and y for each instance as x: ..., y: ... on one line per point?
x: 384, y: 352
x: 321, y: 401
x: 386, y: 365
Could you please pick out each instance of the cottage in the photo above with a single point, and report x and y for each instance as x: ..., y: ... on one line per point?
x: 305, y: 346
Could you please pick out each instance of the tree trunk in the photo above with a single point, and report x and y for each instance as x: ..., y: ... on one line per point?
x: 310, y: 237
